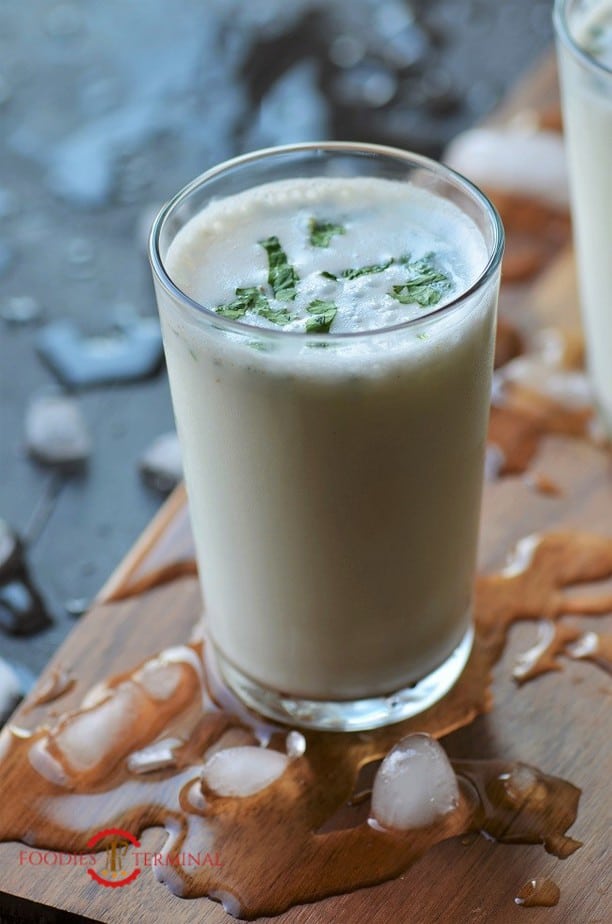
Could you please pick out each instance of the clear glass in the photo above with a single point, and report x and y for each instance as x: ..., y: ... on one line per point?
x: 334, y: 493
x: 586, y: 86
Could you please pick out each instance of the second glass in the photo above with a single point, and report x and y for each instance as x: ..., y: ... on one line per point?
x: 334, y: 479
x: 584, y: 49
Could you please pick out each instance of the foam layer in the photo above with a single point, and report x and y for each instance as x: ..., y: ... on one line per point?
x: 219, y: 250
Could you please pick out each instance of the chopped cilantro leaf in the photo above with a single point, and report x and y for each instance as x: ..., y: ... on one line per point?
x: 366, y: 270
x: 425, y: 285
x: 323, y: 315
x: 249, y: 299
x: 321, y: 232
x: 278, y: 316
x: 281, y: 275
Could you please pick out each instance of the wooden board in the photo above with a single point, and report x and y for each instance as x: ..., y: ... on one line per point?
x: 556, y: 722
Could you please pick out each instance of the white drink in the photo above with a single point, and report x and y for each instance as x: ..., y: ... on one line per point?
x: 334, y: 483
x: 587, y: 108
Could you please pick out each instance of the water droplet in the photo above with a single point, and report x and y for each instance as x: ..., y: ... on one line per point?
x: 538, y: 893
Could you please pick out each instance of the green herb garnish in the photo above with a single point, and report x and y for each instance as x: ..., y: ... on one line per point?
x: 366, y: 270
x: 321, y: 232
x: 253, y: 299
x: 424, y: 287
x: 249, y: 299
x: 324, y: 314
x: 276, y: 315
x: 281, y: 275
x: 356, y: 272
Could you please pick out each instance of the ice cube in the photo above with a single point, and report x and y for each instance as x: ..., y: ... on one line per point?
x: 522, y: 784
x: 414, y: 786
x: 243, y: 771
x: 10, y: 689
x: 157, y: 756
x: 521, y: 557
x: 55, y: 432
x: 21, y: 310
x: 515, y: 160
x: 231, y: 904
x: 80, y: 361
x: 6, y: 742
x: 85, y: 738
x: 195, y: 796
x: 232, y: 738
x: 161, y: 465
x: 159, y: 680
x: 584, y: 647
x: 295, y: 744
x: 46, y: 764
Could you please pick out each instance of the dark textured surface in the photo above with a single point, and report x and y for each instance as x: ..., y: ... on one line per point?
x: 106, y: 109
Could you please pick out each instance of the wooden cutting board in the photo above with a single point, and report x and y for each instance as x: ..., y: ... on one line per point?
x: 557, y: 722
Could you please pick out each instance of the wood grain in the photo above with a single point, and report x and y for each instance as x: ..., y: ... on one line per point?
x: 557, y: 722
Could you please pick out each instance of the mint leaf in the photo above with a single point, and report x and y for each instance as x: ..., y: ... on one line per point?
x: 324, y: 314
x: 425, y: 285
x: 366, y: 270
x: 327, y: 275
x: 276, y: 315
x: 249, y: 299
x: 321, y: 232
x: 281, y: 275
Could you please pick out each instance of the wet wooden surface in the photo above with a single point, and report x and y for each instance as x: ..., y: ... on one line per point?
x: 558, y: 722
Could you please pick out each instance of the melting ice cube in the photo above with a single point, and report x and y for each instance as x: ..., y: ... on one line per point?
x: 415, y: 785
x: 243, y: 771
x: 85, y: 738
x: 160, y: 680
x: 156, y: 756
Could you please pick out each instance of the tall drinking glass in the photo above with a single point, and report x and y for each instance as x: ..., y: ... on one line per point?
x: 584, y: 50
x: 334, y: 473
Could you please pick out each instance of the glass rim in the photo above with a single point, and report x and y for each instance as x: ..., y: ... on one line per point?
x: 339, y: 147
x: 563, y: 32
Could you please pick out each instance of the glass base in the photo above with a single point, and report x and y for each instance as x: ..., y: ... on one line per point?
x: 350, y: 715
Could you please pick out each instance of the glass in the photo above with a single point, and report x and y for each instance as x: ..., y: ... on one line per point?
x: 586, y: 85
x: 334, y: 492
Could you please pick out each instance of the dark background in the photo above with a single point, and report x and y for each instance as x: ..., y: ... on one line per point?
x: 107, y: 107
